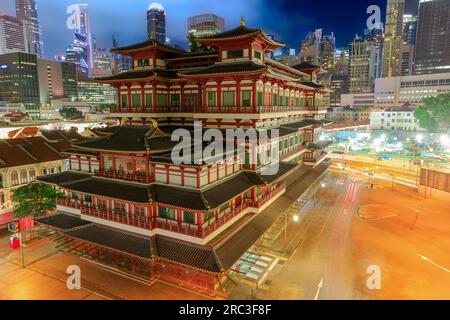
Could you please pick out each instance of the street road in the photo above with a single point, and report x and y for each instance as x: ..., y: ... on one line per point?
x: 350, y: 229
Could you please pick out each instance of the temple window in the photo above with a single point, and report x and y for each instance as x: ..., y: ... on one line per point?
x: 143, y: 63
x: 136, y: 100
x: 101, y: 204
x: 23, y: 177
x: 275, y: 99
x: 246, y: 98
x: 108, y: 163
x: 14, y: 178
x: 75, y: 196
x: 257, y: 55
x: 208, y: 216
x: 124, y: 100
x: 166, y: 213
x: 189, y: 217
x: 260, y: 99
x: 211, y: 99
x: 162, y: 100
x: 148, y: 99
x: 228, y: 99
x: 88, y: 200
x: 235, y: 54
x: 175, y: 100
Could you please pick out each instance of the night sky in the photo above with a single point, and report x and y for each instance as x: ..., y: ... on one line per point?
x: 289, y: 21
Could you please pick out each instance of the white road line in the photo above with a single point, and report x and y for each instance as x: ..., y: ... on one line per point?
x: 411, y: 208
x: 319, y: 287
x: 434, y: 264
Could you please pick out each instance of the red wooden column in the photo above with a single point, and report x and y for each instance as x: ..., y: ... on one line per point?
x: 238, y: 94
x: 143, y: 96
x: 219, y: 94
x: 200, y: 220
x: 119, y: 103
x: 182, y: 104
x: 254, y: 96
x: 129, y: 96
x: 154, y: 84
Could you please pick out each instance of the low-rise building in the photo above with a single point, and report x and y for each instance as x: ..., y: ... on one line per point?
x: 337, y: 114
x: 22, y: 161
x: 398, y: 119
x: 411, y: 90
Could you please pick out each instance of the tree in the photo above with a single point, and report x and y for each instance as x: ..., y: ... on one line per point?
x: 70, y: 113
x: 194, y: 45
x: 434, y: 115
x: 34, y: 199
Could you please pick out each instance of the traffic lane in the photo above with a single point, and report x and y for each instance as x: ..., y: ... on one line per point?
x: 306, y: 267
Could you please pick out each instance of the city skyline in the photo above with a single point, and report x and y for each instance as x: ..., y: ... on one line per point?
x: 297, y: 20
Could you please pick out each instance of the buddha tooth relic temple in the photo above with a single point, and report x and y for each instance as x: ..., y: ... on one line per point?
x: 129, y: 204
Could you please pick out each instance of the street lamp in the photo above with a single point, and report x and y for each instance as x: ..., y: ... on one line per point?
x: 419, y: 138
x: 296, y: 219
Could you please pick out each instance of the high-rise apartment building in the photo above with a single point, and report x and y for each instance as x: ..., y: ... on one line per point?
x: 12, y: 35
x: 26, y: 11
x: 205, y: 25
x: 393, y: 42
x: 156, y: 22
x: 432, y: 53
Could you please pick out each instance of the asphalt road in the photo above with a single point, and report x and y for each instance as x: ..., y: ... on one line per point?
x: 351, y: 229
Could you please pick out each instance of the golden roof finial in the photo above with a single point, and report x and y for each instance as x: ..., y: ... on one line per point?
x: 123, y: 122
x: 154, y: 124
x: 242, y: 21
x: 152, y: 36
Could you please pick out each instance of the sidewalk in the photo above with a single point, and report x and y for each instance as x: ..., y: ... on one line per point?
x: 17, y: 283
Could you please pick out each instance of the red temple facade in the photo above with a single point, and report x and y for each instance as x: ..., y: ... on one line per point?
x: 124, y: 184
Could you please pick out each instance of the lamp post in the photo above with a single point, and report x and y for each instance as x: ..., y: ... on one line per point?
x: 295, y: 218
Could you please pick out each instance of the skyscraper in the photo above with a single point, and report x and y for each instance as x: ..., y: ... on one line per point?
x: 205, y: 25
x: 392, y: 52
x: 81, y: 51
x: 12, y: 35
x: 19, y: 81
x: 433, y: 37
x: 77, y: 52
x: 319, y: 49
x: 56, y: 80
x: 364, y: 64
x: 156, y: 22
x: 409, y: 41
x: 27, y: 12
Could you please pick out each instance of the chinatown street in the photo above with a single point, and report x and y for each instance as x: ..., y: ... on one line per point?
x: 347, y: 229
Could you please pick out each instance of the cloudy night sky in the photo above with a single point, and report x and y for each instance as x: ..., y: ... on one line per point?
x: 289, y: 21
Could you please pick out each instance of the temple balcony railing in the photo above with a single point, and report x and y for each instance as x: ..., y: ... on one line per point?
x: 264, y: 200
x: 173, y: 109
x: 174, y: 226
x: 292, y: 152
x: 122, y: 218
x: 223, y: 109
x: 122, y: 175
x: 225, y: 219
x: 194, y: 230
x: 69, y: 203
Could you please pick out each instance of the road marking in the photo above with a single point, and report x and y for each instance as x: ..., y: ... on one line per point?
x: 411, y: 208
x: 434, y: 264
x: 319, y: 287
